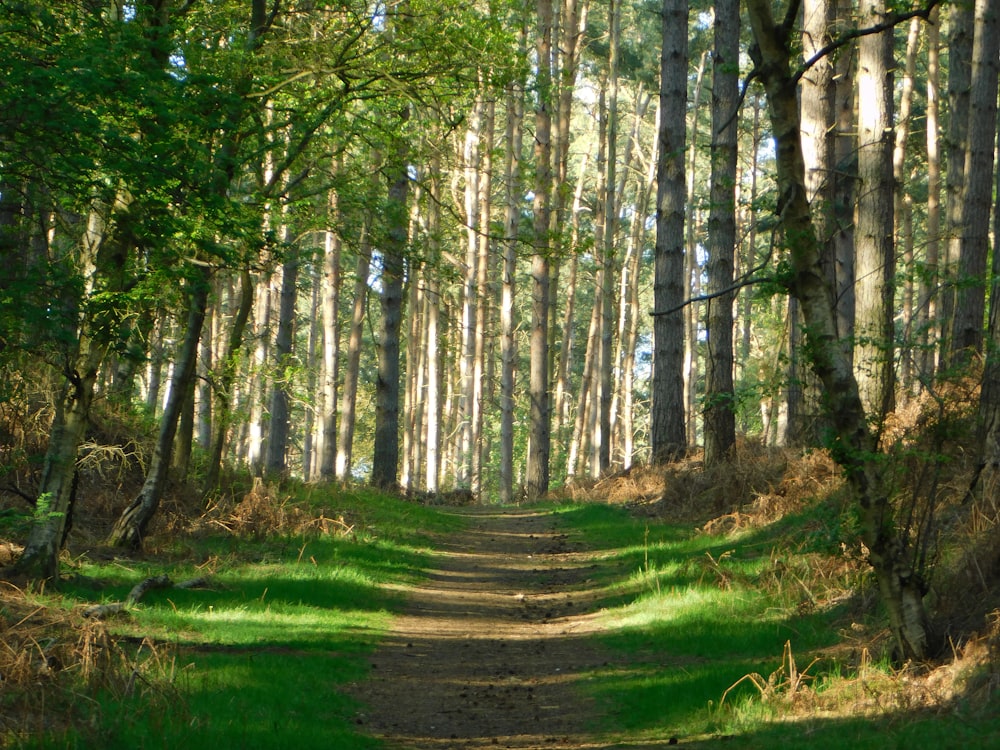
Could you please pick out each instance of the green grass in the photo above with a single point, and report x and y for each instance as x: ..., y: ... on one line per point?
x: 256, y: 659
x: 692, y: 615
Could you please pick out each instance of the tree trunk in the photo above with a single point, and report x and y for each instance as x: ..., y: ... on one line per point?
x: 667, y: 431
x: 130, y: 528
x: 537, y: 475
x: 928, y: 301
x: 330, y: 301
x: 206, y: 361
x: 226, y: 377
x: 508, y: 342
x: 977, y: 197
x: 385, y: 461
x: 903, y: 209
x: 692, y: 266
x: 874, y: 245
x: 720, y: 416
x: 960, y: 43
x: 432, y: 407
x: 470, y: 299
x: 567, y: 348
x: 180, y: 458
x: 845, y: 167
x: 261, y: 336
x: 281, y: 398
x: 605, y: 381
x: 853, y: 444
x: 352, y: 365
x: 99, y: 264
x: 483, y: 263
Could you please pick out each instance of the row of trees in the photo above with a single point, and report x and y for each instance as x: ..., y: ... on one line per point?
x: 418, y: 241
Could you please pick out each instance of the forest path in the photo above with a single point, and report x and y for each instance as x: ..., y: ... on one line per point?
x: 493, y: 645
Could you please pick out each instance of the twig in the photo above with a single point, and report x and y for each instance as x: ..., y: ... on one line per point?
x: 101, y: 611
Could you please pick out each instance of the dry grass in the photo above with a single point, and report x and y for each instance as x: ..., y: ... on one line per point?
x: 264, y: 512
x: 54, y: 662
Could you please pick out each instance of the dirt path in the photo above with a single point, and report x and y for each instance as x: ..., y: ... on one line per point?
x: 491, y: 650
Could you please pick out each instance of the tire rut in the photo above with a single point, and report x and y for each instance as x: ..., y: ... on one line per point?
x: 493, y: 646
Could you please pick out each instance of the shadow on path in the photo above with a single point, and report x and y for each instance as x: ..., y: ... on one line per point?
x: 492, y: 649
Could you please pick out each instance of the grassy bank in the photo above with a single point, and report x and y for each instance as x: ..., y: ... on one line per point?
x: 754, y: 633
x: 760, y: 637
x: 252, y: 656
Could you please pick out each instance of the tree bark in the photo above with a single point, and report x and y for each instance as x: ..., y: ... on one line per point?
x: 98, y: 262
x: 330, y: 300
x: 470, y: 299
x: 720, y: 417
x: 977, y: 197
x: 960, y: 43
x: 605, y: 381
x: 667, y: 430
x: 692, y: 266
x: 903, y: 210
x: 508, y: 342
x: 928, y: 301
x: 226, y: 377
x: 352, y: 364
x: 844, y: 175
x: 284, y: 338
x: 385, y: 461
x: 874, y: 242
x: 130, y: 528
x: 432, y: 303
x: 853, y: 444
x: 539, y: 445
x: 485, y: 304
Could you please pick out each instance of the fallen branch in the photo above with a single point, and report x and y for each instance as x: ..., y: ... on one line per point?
x: 101, y: 611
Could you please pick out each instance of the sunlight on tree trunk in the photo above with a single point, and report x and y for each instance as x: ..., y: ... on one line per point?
x: 667, y: 430
x: 854, y: 445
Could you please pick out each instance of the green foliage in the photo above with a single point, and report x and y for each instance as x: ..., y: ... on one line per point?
x: 256, y: 658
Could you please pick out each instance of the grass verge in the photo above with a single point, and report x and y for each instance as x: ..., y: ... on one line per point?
x: 254, y: 657
x: 762, y: 637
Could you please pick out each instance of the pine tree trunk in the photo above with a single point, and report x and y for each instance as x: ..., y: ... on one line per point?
x: 206, y: 361
x: 539, y: 445
x: 903, y: 210
x: 720, y: 417
x: 563, y: 403
x: 977, y: 197
x: 385, y: 461
x: 330, y: 301
x: 281, y: 398
x: 844, y: 175
x: 352, y: 364
x: 927, y: 300
x: 960, y: 43
x: 483, y: 264
x: 667, y: 430
x: 874, y: 245
x: 432, y: 407
x: 470, y: 300
x: 254, y: 452
x: 607, y: 291
x: 508, y: 343
x: 692, y: 266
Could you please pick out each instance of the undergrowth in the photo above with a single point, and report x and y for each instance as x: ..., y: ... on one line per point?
x: 289, y: 599
x: 739, y: 596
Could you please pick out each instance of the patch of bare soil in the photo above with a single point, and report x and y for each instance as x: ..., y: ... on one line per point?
x: 492, y: 649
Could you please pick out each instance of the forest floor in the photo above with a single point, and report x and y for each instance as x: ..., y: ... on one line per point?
x: 493, y: 646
